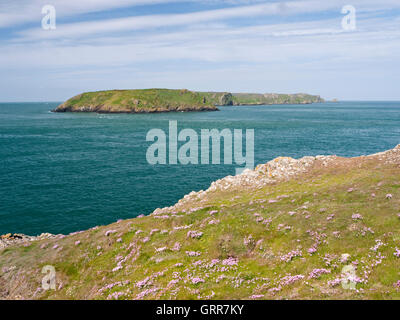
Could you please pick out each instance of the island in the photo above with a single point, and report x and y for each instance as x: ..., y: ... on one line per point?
x: 167, y: 100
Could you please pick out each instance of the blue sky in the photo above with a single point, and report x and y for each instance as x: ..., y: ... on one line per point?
x: 233, y: 45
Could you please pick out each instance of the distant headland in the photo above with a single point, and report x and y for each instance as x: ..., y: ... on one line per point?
x: 167, y: 100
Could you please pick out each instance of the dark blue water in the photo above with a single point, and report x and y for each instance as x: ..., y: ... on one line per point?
x: 66, y: 172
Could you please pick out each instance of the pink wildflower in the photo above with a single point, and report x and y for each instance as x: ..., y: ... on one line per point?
x: 288, y: 280
x: 330, y: 217
x: 316, y: 273
x: 197, y: 280
x: 146, y: 239
x: 290, y: 255
x: 143, y: 283
x: 193, y: 253
x: 176, y: 247
x: 312, y: 250
x: 230, y: 262
x: 194, y: 234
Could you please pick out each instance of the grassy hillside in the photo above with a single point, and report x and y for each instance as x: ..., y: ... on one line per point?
x: 227, y: 99
x: 136, y: 101
x: 271, y: 98
x: 164, y: 100
x: 283, y: 231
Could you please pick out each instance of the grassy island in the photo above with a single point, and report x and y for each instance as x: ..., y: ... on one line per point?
x: 167, y: 100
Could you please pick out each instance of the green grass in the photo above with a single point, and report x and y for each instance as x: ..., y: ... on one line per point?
x: 151, y: 100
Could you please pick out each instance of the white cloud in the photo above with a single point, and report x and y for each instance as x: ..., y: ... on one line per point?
x: 182, y: 50
x: 88, y: 28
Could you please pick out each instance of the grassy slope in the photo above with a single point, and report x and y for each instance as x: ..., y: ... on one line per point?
x: 239, y: 230
x: 248, y: 98
x: 146, y: 100
x: 161, y: 100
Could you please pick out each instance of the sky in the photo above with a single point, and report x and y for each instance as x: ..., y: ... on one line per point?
x: 297, y: 46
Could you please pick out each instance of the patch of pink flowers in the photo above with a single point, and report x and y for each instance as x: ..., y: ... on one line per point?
x: 288, y: 280
x: 397, y: 253
x: 290, y: 255
x: 316, y: 273
x: 176, y: 247
x: 146, y: 239
x: 379, y: 244
x: 197, y: 280
x: 230, y: 262
x: 144, y: 283
x: 330, y: 217
x: 146, y: 292
x: 356, y: 216
x: 194, y: 234
x: 312, y: 250
x: 193, y: 253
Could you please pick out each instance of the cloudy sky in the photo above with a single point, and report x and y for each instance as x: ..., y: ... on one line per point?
x: 219, y: 45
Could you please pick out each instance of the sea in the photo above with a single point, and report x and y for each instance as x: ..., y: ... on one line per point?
x: 66, y: 172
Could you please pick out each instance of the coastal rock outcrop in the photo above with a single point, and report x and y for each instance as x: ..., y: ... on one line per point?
x: 18, y: 238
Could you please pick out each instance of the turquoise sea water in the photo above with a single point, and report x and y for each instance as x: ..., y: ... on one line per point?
x: 67, y: 172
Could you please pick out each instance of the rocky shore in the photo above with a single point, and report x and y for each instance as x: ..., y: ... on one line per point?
x: 11, y: 239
